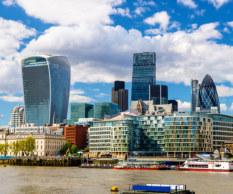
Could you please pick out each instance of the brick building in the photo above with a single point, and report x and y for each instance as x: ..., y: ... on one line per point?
x: 77, y: 135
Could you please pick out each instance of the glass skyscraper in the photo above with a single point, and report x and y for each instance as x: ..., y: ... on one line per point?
x: 205, y: 96
x: 208, y: 96
x: 46, y: 84
x: 144, y: 68
x: 120, y: 95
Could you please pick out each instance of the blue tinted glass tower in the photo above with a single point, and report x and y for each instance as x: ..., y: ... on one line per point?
x: 46, y: 85
x: 144, y: 68
x: 208, y: 96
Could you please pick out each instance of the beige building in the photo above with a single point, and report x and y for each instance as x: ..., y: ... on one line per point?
x: 45, y: 144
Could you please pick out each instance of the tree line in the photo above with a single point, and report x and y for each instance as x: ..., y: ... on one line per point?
x: 25, y: 147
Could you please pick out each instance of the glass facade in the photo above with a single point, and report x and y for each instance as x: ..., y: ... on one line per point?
x: 120, y: 95
x: 81, y: 110
x: 144, y: 69
x: 159, y: 94
x: 195, y: 95
x: 208, y: 96
x: 46, y: 84
x: 105, y: 109
x: 185, y: 135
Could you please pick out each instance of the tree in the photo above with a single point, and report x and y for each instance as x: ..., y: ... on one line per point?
x: 73, y: 149
x: 15, y: 147
x: 66, y: 148
x: 2, y: 149
x: 30, y: 145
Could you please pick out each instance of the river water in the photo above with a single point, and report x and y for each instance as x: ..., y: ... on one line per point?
x: 72, y: 180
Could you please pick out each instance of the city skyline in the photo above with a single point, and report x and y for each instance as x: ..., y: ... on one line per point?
x: 183, y: 46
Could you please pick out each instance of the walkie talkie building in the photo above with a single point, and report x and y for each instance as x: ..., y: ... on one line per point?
x: 46, y: 85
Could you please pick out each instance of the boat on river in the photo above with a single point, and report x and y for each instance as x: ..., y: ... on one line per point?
x: 199, y: 164
x: 141, y: 165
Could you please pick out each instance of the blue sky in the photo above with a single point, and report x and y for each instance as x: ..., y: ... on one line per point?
x: 191, y: 38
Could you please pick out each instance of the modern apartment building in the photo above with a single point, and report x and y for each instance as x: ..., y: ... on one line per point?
x: 17, y: 118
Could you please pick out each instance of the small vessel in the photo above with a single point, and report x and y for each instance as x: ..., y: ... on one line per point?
x: 140, y: 165
x: 199, y: 164
x: 158, y: 188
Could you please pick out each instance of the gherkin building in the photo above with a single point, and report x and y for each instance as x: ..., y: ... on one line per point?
x: 208, y: 96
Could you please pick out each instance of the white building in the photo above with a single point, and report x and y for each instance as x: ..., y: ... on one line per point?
x: 17, y: 118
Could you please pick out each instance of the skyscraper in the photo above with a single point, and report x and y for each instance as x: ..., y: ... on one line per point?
x: 144, y: 69
x: 17, y: 116
x: 159, y: 94
x: 120, y: 95
x: 195, y: 95
x: 46, y: 84
x: 81, y: 110
x: 208, y: 96
x: 205, y: 96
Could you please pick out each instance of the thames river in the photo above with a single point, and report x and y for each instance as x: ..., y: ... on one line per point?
x: 72, y: 180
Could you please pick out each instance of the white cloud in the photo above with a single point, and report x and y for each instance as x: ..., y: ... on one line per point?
x: 230, y: 24
x: 12, y: 98
x: 140, y: 10
x: 218, y: 3
x: 144, y: 3
x: 78, y: 96
x: 183, y: 105
x: 188, y: 3
x: 123, y: 12
x: 12, y: 33
x: 224, y: 91
x: 223, y: 107
x: 8, y: 2
x: 72, y: 12
x: 162, y: 18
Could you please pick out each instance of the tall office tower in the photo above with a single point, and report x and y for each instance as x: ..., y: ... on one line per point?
x: 195, y: 95
x: 208, y: 96
x: 105, y: 109
x: 46, y: 84
x: 159, y: 94
x: 81, y: 110
x: 174, y: 104
x: 144, y: 69
x: 120, y: 95
x: 17, y: 116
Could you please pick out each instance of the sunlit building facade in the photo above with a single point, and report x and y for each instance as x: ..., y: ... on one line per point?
x: 46, y: 84
x: 144, y: 69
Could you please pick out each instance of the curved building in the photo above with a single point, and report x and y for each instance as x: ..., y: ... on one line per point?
x: 208, y: 96
x: 17, y: 116
x: 46, y: 84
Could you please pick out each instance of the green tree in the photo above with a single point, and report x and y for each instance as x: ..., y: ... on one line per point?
x: 66, y: 149
x: 73, y: 149
x: 30, y: 145
x: 2, y: 149
x: 15, y: 146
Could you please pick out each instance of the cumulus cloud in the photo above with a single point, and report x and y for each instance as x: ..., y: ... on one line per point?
x: 183, y: 105
x: 188, y: 3
x: 230, y: 24
x: 11, y: 98
x: 8, y: 2
x: 223, y: 107
x: 12, y: 33
x: 79, y: 96
x: 218, y: 3
x: 72, y: 12
x: 224, y: 91
x: 162, y: 18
